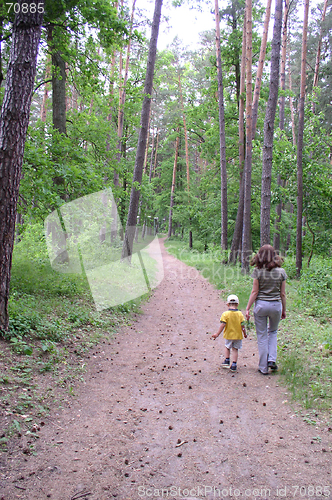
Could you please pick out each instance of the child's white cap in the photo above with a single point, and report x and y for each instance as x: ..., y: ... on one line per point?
x: 232, y: 299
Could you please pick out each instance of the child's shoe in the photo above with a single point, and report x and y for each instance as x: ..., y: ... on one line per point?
x: 225, y: 363
x: 233, y: 367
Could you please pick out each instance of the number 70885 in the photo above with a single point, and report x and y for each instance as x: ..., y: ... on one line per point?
x: 25, y: 8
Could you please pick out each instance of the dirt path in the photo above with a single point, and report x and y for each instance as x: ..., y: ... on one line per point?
x: 158, y: 418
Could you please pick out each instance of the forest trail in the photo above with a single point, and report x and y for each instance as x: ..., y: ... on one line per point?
x: 158, y: 418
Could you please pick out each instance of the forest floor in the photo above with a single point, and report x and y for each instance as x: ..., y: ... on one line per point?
x: 157, y: 417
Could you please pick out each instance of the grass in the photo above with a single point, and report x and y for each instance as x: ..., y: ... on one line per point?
x: 305, y: 336
x: 54, y: 326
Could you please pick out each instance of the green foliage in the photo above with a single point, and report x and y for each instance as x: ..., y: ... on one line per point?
x: 81, y: 171
x: 315, y: 288
x: 32, y: 273
x: 305, y: 356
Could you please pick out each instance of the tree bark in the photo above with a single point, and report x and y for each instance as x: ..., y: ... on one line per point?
x: 1, y: 73
x: 315, y: 83
x: 291, y: 104
x: 173, y: 184
x: 14, y: 120
x: 187, y: 153
x: 139, y: 161
x: 152, y: 155
x: 122, y: 95
x: 283, y: 69
x: 276, y: 236
x: 300, y: 144
x: 246, y: 238
x: 43, y: 109
x: 260, y: 68
x: 58, y: 85
x: 147, y: 142
x: 237, y: 234
x: 155, y: 155
x: 269, y: 127
x: 222, y: 135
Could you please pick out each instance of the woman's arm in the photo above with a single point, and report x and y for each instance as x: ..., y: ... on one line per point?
x: 252, y: 298
x: 283, y: 298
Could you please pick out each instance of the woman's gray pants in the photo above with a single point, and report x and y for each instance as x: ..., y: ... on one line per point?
x: 266, y: 331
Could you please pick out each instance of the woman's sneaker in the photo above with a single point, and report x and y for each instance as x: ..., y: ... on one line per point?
x: 233, y: 367
x: 225, y: 363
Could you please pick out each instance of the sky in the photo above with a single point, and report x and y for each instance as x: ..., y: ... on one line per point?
x: 187, y: 23
x: 183, y: 22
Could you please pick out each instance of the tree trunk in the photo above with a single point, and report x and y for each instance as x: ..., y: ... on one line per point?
x: 173, y: 184
x: 58, y: 85
x: 246, y: 238
x: 234, y: 24
x: 152, y: 155
x: 43, y: 109
x: 59, y: 93
x: 155, y: 156
x: 122, y: 95
x: 139, y: 161
x: 283, y: 69
x: 1, y: 73
x: 269, y: 126
x: 14, y: 122
x: 187, y: 154
x: 236, y: 247
x: 147, y: 143
x: 315, y: 83
x: 222, y: 136
x: 260, y: 68
x: 237, y: 234
x: 291, y: 105
x: 300, y: 144
x: 276, y: 237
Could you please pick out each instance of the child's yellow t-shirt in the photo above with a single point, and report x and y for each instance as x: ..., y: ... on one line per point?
x: 233, y: 320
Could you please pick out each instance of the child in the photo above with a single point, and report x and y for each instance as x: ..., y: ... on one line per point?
x: 233, y: 323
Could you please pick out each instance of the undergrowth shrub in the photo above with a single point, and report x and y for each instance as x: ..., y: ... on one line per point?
x: 32, y: 272
x: 315, y: 287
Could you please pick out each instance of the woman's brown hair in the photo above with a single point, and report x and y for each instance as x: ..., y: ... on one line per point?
x: 266, y: 257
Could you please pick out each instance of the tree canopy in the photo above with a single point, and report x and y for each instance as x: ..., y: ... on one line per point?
x: 84, y: 50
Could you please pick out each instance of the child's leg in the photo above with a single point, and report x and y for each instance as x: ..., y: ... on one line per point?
x: 235, y: 354
x: 227, y: 352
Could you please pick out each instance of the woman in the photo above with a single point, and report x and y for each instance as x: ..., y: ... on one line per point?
x: 268, y: 293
